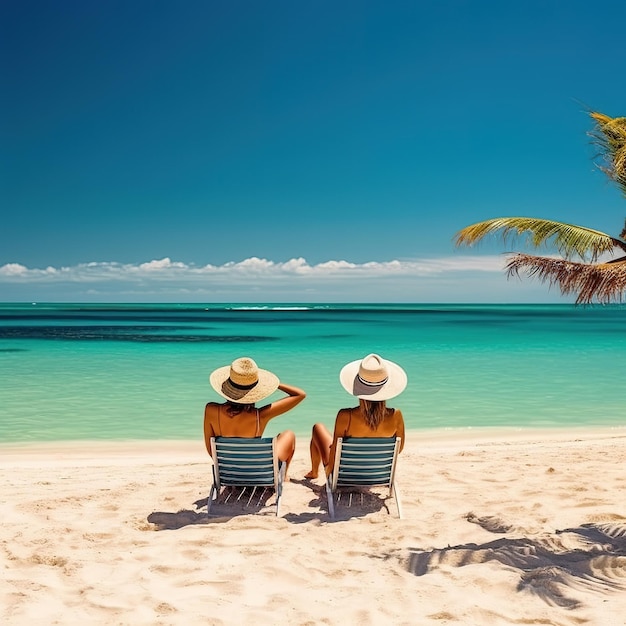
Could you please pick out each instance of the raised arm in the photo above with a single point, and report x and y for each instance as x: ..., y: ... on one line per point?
x: 294, y: 397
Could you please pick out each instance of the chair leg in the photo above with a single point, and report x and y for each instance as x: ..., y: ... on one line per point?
x: 212, y: 493
x: 279, y: 487
x: 396, y: 494
x: 329, y: 498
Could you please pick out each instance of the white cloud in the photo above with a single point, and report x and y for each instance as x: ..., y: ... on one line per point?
x: 454, y: 278
x: 13, y: 269
x: 165, y: 270
x: 161, y: 264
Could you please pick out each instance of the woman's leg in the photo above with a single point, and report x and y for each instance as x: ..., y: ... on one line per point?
x: 321, y: 440
x: 285, y: 448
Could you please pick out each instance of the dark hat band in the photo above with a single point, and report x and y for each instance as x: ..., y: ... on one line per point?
x: 371, y: 384
x: 243, y: 387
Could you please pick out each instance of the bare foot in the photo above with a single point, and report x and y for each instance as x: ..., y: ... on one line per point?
x: 311, y: 474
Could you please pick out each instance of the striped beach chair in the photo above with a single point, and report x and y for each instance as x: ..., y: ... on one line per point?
x: 249, y: 467
x: 364, y: 462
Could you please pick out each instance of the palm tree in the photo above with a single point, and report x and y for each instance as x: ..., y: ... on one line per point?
x: 589, y: 278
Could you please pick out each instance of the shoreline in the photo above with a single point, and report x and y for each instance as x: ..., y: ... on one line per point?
x: 181, y: 448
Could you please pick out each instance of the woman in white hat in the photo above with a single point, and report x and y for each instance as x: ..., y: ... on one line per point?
x: 373, y: 380
x: 242, y: 383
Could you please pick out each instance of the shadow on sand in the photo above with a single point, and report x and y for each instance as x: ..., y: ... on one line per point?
x: 591, y: 556
x: 240, y: 502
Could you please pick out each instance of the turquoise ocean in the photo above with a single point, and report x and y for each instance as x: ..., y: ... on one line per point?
x: 140, y: 371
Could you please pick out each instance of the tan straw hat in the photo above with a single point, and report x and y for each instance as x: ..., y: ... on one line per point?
x: 243, y: 382
x: 373, y: 378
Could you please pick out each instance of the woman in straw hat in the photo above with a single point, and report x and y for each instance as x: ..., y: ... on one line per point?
x: 373, y: 380
x: 242, y: 383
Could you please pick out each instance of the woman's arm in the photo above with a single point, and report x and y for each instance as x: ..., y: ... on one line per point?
x: 341, y: 424
x: 399, y: 426
x: 208, y: 426
x: 294, y: 397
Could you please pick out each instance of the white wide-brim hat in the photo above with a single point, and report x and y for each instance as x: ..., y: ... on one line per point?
x: 243, y: 382
x: 373, y: 378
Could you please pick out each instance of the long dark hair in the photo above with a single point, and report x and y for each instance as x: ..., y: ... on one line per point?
x: 233, y: 408
x: 374, y: 412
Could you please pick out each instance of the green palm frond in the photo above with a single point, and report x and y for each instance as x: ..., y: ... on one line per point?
x: 568, y: 239
x: 589, y: 280
x: 609, y: 135
x: 604, y: 282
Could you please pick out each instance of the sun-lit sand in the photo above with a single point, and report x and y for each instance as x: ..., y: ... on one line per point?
x: 502, y: 527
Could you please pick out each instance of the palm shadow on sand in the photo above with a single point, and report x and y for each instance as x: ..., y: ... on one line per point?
x: 590, y: 556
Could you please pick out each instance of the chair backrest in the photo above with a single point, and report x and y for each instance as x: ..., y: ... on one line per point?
x: 365, y: 461
x: 244, y: 462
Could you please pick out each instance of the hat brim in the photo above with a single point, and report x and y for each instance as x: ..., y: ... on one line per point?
x: 266, y: 386
x: 395, y: 385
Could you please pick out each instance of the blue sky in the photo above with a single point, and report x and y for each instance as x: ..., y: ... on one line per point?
x: 295, y: 151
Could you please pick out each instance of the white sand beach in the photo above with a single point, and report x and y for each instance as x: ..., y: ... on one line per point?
x: 506, y: 527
